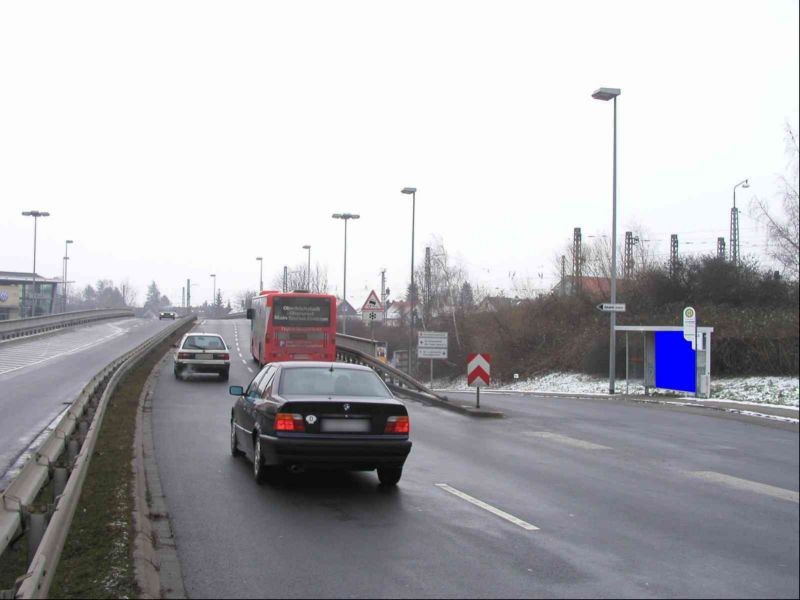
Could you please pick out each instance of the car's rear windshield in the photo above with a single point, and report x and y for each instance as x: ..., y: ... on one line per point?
x: 204, y: 342
x: 322, y: 381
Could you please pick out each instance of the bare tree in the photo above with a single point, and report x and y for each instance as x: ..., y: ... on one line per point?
x: 129, y: 293
x: 243, y: 298
x: 297, y: 278
x: 783, y: 231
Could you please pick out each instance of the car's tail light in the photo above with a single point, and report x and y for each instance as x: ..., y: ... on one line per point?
x: 184, y: 355
x: 222, y: 356
x: 289, y: 422
x: 397, y: 425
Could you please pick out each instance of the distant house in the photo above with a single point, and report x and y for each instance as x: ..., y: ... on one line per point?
x: 495, y: 303
x: 18, y: 300
x: 345, y: 310
x: 595, y: 287
x: 396, y: 314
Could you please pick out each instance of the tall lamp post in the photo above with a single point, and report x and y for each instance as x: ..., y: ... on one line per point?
x: 345, y: 217
x: 35, y: 214
x: 308, y: 270
x: 66, y: 259
x: 606, y: 94
x: 412, y: 291
x: 214, y: 292
x: 260, y: 260
x: 735, y: 224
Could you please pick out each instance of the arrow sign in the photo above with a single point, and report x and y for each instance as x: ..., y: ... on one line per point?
x: 479, y: 369
x: 608, y: 307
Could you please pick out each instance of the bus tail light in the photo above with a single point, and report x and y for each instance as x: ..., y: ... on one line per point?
x: 397, y: 425
x: 289, y: 422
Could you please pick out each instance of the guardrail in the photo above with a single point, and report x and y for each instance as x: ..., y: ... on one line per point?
x: 363, y: 351
x: 16, y: 328
x: 63, y: 458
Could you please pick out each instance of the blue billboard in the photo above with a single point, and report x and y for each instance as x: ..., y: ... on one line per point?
x: 675, y: 362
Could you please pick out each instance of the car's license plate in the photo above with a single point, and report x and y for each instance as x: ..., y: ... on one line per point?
x: 345, y: 425
x: 204, y: 356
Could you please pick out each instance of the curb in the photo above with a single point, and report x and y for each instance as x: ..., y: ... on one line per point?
x: 158, y: 570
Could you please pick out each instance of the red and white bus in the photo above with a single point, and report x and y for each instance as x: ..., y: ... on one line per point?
x: 292, y: 326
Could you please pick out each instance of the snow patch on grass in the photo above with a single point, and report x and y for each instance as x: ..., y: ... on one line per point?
x: 780, y: 391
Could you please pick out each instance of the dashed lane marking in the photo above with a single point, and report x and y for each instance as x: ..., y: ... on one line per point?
x: 568, y: 441
x: 250, y: 369
x: 746, y: 484
x: 488, y: 507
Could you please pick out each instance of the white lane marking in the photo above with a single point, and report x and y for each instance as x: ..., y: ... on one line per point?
x: 244, y: 361
x: 568, y: 441
x: 488, y: 507
x: 746, y: 484
x: 250, y: 369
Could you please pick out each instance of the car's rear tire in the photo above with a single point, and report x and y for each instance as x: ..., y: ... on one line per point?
x: 261, y: 472
x: 178, y: 372
x: 389, y: 475
x: 235, y: 452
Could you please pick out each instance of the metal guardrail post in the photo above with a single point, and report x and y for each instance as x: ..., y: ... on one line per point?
x: 36, y: 517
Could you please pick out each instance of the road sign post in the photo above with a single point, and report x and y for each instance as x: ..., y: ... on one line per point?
x: 372, y: 311
x: 479, y: 369
x: 432, y: 345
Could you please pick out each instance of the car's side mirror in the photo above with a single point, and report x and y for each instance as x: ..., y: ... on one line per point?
x: 236, y: 390
x: 250, y: 313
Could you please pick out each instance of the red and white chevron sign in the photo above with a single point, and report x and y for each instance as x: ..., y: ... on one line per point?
x: 479, y: 369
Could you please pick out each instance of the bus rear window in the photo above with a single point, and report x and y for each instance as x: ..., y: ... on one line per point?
x: 301, y: 312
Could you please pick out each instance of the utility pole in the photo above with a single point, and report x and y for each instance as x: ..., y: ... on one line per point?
x: 563, y: 275
x: 183, y: 297
x: 577, y: 260
x: 673, y: 255
x: 383, y: 288
x: 721, y: 248
x: 630, y: 242
x: 188, y: 296
x: 427, y: 286
x: 285, y: 278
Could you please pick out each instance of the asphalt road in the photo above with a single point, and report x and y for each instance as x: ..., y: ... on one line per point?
x: 600, y: 499
x: 40, y: 377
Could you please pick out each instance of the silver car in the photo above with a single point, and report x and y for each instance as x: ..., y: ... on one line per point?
x: 202, y: 353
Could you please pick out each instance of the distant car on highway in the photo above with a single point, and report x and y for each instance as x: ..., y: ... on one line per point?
x: 167, y: 315
x: 299, y: 415
x: 202, y: 353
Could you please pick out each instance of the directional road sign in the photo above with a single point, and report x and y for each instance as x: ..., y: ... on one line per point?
x: 431, y: 352
x: 608, y: 307
x: 479, y: 369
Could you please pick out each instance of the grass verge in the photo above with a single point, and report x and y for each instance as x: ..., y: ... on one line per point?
x: 97, y: 561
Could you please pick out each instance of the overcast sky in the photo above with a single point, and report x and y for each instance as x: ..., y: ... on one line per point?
x: 172, y: 140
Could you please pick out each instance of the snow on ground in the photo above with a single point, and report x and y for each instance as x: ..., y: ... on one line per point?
x: 783, y: 391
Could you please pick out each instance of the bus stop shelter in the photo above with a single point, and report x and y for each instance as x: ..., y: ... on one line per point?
x: 667, y: 360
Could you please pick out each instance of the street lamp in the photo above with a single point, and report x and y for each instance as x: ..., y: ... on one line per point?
x: 611, y: 94
x: 412, y: 290
x: 345, y: 217
x: 214, y: 291
x: 35, y: 214
x: 66, y: 258
x: 260, y: 260
x: 308, y: 271
x: 735, y: 224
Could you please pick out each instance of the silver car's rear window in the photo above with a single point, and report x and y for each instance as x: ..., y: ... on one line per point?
x: 323, y: 381
x: 203, y: 342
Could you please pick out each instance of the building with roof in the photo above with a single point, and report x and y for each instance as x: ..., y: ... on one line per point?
x: 17, y: 297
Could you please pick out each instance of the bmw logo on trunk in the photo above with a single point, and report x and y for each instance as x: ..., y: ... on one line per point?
x: 346, y: 407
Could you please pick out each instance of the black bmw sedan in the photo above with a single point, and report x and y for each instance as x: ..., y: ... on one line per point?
x: 312, y: 415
